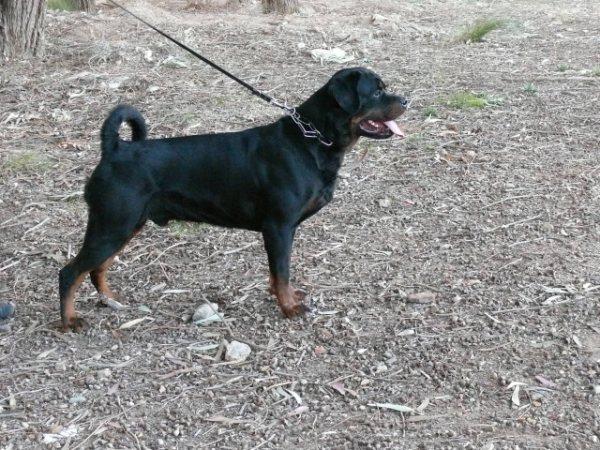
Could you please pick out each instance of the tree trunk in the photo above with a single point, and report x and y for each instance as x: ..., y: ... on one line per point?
x: 21, y: 27
x: 280, y: 6
x: 83, y: 5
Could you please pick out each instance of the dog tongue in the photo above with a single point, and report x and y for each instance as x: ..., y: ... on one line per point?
x: 392, y: 125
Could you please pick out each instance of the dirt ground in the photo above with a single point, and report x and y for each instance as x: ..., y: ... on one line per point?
x: 455, y: 275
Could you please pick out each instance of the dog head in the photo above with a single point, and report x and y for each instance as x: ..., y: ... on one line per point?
x: 366, y: 108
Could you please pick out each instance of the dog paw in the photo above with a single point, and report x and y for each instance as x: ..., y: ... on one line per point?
x: 300, y: 294
x: 296, y: 309
x: 76, y: 325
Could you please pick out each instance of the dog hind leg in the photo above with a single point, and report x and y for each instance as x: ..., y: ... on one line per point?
x: 103, y: 240
x: 98, y: 275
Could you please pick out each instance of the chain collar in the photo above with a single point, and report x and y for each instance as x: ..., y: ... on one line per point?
x: 307, y: 128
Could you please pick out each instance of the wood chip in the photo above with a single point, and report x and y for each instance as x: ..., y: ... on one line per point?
x: 421, y: 297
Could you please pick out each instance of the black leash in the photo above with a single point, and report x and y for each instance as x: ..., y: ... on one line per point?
x: 307, y: 128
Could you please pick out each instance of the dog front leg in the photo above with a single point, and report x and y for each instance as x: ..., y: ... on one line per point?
x: 278, y: 243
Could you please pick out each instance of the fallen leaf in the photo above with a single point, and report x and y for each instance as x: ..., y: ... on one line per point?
x: 516, y: 386
x: 298, y: 411
x: 112, y: 303
x: 133, y: 323
x: 408, y: 332
x: 554, y: 290
x: 394, y: 407
x: 515, y: 396
x: 338, y: 386
x: 67, y: 432
x: 144, y: 308
x: 226, y: 420
x: 424, y: 404
x: 328, y: 313
x: 46, y: 353
x: 545, y: 381
x: 295, y: 395
x: 551, y: 300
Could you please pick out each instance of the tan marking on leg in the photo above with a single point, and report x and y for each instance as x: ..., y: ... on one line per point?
x: 288, y: 298
x: 70, y: 320
x: 98, y: 277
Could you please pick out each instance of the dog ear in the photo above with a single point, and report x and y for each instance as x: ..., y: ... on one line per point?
x: 344, y: 89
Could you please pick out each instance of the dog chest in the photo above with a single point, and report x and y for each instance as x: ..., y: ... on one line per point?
x: 318, y: 201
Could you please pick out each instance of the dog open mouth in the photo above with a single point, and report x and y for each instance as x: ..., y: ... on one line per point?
x: 380, y: 128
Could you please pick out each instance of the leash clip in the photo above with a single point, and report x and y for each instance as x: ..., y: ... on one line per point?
x: 307, y: 128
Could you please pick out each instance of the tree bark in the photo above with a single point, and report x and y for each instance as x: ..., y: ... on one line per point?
x: 280, y: 6
x: 84, y: 5
x: 21, y: 27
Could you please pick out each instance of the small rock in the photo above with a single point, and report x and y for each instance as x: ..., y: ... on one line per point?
x: 381, y: 367
x: 115, y: 83
x: 237, y: 351
x: 469, y: 156
x: 407, y: 332
x: 207, y: 313
x: 175, y: 63
x: 378, y: 19
x: 547, y: 227
x: 325, y: 335
x: 385, y: 202
x: 7, y: 309
x: 336, y: 55
x: 421, y: 297
x: 76, y: 399
x: 306, y: 11
x: 104, y: 373
x: 320, y: 350
x: 596, y: 389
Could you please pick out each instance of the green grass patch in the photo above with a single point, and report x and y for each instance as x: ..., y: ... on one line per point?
x: 61, y: 5
x: 562, y: 67
x: 414, y: 139
x: 530, y: 89
x: 181, y: 228
x: 477, y: 31
x: 188, y: 117
x: 596, y: 71
x: 26, y: 162
x: 430, y: 111
x: 465, y: 100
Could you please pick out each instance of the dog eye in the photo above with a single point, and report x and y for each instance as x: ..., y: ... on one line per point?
x: 377, y: 93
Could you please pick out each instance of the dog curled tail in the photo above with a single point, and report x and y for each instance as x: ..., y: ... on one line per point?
x: 109, y: 134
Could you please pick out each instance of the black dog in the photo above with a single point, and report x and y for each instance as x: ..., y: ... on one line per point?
x: 267, y: 179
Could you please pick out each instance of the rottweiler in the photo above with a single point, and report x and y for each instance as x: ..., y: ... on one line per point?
x: 267, y: 179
